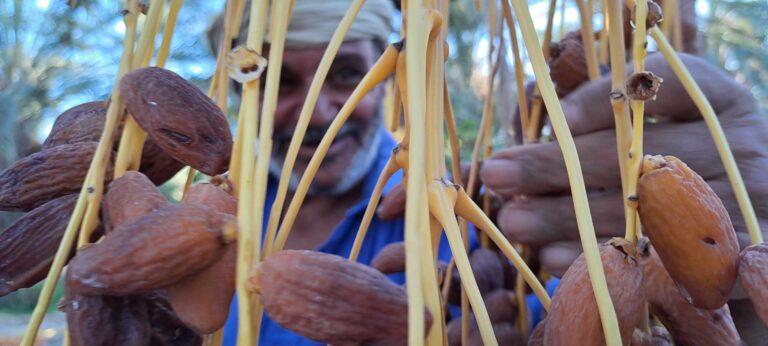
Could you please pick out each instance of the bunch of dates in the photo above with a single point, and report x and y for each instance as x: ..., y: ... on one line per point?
x: 156, y: 273
x: 162, y: 273
x: 686, y: 272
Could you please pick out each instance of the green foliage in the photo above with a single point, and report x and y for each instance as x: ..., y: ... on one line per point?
x: 737, y: 40
x: 24, y: 300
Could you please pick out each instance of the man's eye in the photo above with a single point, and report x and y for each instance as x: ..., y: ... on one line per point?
x: 288, y: 83
x: 347, y: 77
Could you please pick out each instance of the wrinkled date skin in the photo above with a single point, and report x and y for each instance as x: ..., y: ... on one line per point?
x: 28, y: 246
x: 502, y: 311
x: 568, y: 63
x: 391, y: 259
x: 329, y: 299
x: 537, y: 335
x: 155, y: 251
x: 501, y: 305
x: 46, y: 175
x: 85, y: 123
x: 658, y: 337
x: 574, y: 315
x: 82, y: 123
x: 130, y: 197
x: 167, y: 329
x: 179, y: 117
x: 690, y: 229
x: 505, y: 333
x: 687, y: 324
x: 212, y: 197
x: 488, y: 270
x: 202, y: 300
x: 106, y: 320
x: 753, y: 272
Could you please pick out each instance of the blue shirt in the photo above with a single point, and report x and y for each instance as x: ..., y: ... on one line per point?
x: 380, y: 233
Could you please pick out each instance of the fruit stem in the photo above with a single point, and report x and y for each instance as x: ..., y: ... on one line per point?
x: 466, y: 208
x: 618, y: 96
x: 522, y: 101
x: 442, y: 208
x: 93, y: 182
x: 639, y: 41
x: 550, y: 23
x: 247, y: 251
x: 170, y: 25
x: 416, y: 209
x: 378, y: 73
x: 389, y: 169
x: 706, y: 110
x: 576, y: 178
x: 305, y: 116
x: 588, y: 37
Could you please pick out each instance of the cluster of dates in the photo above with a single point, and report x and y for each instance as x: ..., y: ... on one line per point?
x: 686, y: 273
x: 164, y: 273
x: 139, y: 285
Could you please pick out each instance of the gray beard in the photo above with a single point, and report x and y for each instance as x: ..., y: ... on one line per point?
x: 358, y: 168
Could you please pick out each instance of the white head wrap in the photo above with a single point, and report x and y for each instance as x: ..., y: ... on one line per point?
x: 314, y: 21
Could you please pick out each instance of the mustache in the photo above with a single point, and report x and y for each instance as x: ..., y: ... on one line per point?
x: 315, y: 134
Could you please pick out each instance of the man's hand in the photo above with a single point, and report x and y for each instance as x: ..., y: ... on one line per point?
x: 532, y: 178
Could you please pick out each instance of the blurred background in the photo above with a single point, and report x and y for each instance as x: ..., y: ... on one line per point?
x: 54, y: 57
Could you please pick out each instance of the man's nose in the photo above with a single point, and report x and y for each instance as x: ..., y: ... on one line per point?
x: 325, y: 111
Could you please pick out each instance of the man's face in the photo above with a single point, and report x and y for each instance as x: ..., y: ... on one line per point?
x: 354, y: 149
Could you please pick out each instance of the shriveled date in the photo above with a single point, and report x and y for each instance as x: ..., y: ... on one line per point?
x: 107, y: 320
x: 211, y: 196
x: 329, y: 299
x: 179, y: 117
x: 391, y: 258
x: 129, y: 198
x: 167, y: 329
x: 658, y: 336
x: 753, y: 272
x: 155, y: 251
x: 488, y: 269
x: 82, y: 123
x: 201, y: 300
x: 691, y: 230
x: 27, y: 247
x: 45, y: 175
x: 537, y: 334
x: 506, y: 334
x: 687, y: 324
x: 574, y: 314
x: 85, y: 123
x: 568, y: 63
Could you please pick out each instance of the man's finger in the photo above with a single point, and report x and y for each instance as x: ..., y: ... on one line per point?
x: 539, y: 168
x: 588, y: 108
x: 392, y: 205
x: 726, y: 96
x: 542, y: 220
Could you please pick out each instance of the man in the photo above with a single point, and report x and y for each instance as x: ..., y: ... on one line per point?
x: 332, y: 211
x: 546, y: 220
